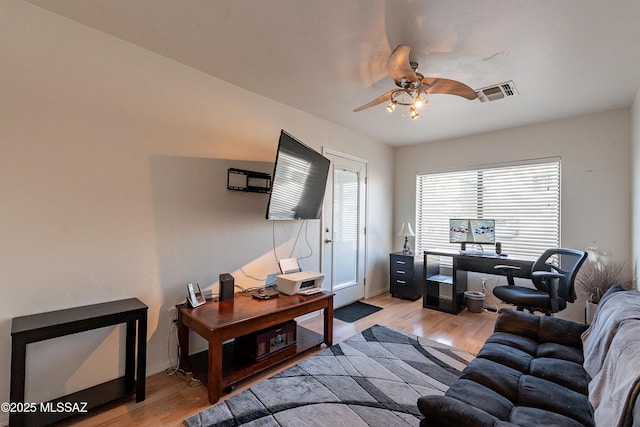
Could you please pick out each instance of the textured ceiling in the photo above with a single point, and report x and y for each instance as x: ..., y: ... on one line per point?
x: 566, y: 57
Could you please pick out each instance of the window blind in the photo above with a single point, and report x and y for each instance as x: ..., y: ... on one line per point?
x: 345, y: 226
x: 524, y: 200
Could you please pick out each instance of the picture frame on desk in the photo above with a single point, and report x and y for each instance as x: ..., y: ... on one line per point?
x: 195, y: 297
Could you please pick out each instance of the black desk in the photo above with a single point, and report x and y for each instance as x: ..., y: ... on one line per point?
x: 44, y: 326
x: 446, y: 276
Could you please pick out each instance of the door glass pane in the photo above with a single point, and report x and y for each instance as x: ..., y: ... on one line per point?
x: 345, y: 227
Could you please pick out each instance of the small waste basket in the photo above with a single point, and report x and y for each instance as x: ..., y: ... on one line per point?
x: 475, y: 301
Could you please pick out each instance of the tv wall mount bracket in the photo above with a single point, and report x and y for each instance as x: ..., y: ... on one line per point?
x: 248, y: 181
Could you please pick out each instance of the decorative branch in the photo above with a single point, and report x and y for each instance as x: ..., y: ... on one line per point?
x: 598, y: 274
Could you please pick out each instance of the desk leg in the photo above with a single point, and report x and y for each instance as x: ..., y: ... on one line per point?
x: 141, y: 376
x: 18, y: 366
x: 328, y: 323
x: 130, y: 355
x: 214, y: 371
x: 183, y: 342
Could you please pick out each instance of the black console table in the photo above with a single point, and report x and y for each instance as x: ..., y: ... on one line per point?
x: 53, y: 324
x: 446, y: 276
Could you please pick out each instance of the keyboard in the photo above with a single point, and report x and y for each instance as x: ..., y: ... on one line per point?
x: 481, y: 253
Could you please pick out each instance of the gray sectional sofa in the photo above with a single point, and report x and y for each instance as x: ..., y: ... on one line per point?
x: 545, y: 371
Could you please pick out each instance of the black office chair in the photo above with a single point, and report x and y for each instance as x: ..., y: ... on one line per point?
x: 552, y: 275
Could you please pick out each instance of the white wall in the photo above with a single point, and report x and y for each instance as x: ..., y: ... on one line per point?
x: 112, y: 178
x: 596, y: 175
x: 635, y: 186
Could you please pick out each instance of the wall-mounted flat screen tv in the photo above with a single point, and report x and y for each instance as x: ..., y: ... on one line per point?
x: 299, y: 180
x: 472, y: 231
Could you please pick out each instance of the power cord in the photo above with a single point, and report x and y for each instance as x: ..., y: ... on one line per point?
x: 176, y: 369
x: 247, y: 292
x: 305, y: 224
x: 493, y: 297
x: 257, y: 279
x: 306, y: 239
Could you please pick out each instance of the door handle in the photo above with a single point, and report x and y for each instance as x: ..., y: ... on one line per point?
x: 328, y: 240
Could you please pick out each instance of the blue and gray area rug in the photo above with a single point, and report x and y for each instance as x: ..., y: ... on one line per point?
x: 371, y: 379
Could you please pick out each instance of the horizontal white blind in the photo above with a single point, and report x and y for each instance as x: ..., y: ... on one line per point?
x: 524, y: 200
x: 345, y: 227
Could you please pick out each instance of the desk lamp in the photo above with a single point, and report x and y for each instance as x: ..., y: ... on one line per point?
x: 407, y: 232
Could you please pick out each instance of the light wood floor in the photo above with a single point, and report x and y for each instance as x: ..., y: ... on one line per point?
x: 169, y: 400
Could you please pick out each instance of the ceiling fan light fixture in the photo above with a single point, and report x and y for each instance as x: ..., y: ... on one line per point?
x: 391, y: 107
x: 413, y: 88
x: 420, y: 102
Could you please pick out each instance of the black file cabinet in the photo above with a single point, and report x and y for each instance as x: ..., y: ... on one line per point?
x: 406, y: 276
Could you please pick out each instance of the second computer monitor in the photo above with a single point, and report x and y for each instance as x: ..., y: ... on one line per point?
x: 478, y: 231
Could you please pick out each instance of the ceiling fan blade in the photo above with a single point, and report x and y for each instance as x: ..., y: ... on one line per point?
x: 379, y: 100
x: 399, y: 66
x: 451, y: 87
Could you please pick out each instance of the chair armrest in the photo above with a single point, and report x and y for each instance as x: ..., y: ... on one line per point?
x: 508, y: 271
x: 546, y: 275
x: 548, y: 278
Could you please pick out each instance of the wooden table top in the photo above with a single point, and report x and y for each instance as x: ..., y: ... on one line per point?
x: 216, y: 314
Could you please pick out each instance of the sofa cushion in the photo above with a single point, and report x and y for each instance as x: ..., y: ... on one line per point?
x: 481, y: 397
x: 542, y: 394
x: 566, y: 332
x: 507, y: 356
x: 541, y: 329
x: 514, y: 340
x: 566, y: 373
x: 446, y: 411
x: 513, y: 322
x: 554, y: 350
x: 527, y: 416
x: 497, y: 377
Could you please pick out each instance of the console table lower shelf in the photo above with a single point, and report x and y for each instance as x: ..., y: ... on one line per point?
x: 237, y: 367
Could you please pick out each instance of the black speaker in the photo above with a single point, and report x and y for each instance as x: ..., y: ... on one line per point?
x: 227, y: 285
x: 498, y: 248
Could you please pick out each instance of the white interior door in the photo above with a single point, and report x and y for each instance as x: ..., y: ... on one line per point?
x: 343, y: 228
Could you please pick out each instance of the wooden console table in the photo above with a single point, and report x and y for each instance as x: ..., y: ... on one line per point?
x: 220, y: 321
x: 53, y: 324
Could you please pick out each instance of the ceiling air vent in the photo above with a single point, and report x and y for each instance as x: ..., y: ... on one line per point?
x: 495, y: 92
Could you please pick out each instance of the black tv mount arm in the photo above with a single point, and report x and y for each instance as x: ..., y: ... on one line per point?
x: 248, y: 181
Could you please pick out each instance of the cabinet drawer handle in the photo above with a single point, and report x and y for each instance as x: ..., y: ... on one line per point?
x: 400, y: 272
x: 401, y: 262
x: 401, y: 281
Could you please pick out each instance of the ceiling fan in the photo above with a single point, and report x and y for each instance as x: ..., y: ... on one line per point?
x: 413, y: 87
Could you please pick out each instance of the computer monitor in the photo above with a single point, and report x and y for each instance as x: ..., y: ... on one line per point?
x: 479, y: 231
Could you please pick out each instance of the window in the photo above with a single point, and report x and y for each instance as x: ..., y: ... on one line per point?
x: 523, y: 198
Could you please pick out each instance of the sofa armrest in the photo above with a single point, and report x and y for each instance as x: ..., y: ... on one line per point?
x: 542, y: 329
x: 446, y: 411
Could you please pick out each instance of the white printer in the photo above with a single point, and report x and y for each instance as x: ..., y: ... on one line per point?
x: 295, y: 281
